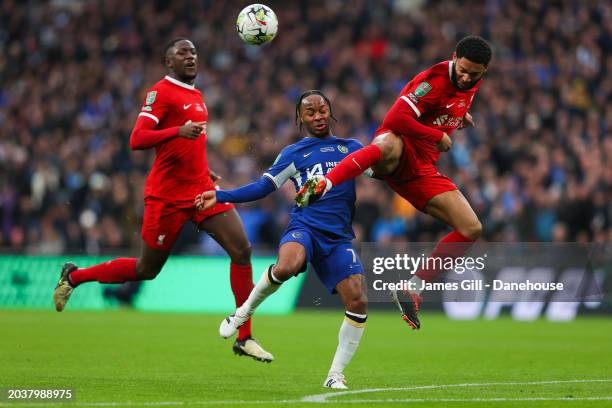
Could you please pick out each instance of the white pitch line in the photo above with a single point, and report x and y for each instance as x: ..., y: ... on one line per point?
x: 274, y: 402
x: 324, y: 397
x: 429, y: 400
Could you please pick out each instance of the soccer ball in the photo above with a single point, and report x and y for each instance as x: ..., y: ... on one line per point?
x: 257, y: 24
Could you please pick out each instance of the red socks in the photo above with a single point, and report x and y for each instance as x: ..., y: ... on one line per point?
x: 447, y: 247
x: 354, y: 164
x: 241, y: 280
x: 116, y: 271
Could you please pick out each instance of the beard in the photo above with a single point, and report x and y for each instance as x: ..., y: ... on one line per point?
x: 456, y: 83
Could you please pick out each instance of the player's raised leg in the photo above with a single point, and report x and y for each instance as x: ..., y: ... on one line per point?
x: 353, y: 296
x: 227, y: 229
x: 118, y: 270
x: 382, y: 156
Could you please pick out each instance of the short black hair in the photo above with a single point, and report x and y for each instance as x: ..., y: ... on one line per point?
x: 172, y: 44
x: 306, y: 94
x: 474, y: 48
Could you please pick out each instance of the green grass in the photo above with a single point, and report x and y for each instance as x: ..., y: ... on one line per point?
x: 145, y: 357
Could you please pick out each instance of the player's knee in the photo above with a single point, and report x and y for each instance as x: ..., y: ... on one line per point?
x: 472, y: 231
x: 285, y: 270
x: 358, y: 303
x: 242, y: 255
x: 388, y: 145
x: 146, y: 272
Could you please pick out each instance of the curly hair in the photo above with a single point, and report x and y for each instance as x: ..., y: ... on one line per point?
x: 474, y: 48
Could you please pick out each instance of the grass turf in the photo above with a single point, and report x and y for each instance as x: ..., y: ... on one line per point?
x: 124, y: 356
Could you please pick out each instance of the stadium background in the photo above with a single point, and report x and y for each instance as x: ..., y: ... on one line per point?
x: 536, y: 168
x: 73, y: 75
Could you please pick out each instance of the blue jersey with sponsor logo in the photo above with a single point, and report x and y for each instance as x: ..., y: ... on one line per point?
x: 310, y: 157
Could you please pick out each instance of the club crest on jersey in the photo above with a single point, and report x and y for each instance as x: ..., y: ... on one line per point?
x: 422, y: 89
x: 150, y: 97
x: 343, y: 149
x: 199, y: 107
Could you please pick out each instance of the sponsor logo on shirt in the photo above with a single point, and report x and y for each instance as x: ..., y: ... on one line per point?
x: 327, y: 149
x: 147, y: 108
x: 413, y: 97
x: 185, y: 107
x: 448, y: 121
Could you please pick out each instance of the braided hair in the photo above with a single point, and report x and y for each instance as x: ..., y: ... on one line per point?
x: 306, y: 94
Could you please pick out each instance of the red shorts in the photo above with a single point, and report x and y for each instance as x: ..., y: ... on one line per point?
x: 164, y: 220
x: 421, y: 189
x: 417, y: 179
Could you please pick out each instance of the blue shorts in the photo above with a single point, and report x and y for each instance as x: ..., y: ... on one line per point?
x: 334, y: 259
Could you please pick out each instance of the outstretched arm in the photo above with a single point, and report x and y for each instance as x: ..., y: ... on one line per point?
x: 251, y: 192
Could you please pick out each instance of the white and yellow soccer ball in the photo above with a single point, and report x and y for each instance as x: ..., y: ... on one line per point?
x: 257, y: 24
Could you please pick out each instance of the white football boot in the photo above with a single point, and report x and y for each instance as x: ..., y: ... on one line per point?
x: 230, y: 325
x: 335, y: 381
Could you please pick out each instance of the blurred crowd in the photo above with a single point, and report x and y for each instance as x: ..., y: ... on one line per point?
x: 73, y: 74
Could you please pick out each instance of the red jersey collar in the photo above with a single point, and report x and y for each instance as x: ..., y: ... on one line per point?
x: 179, y: 83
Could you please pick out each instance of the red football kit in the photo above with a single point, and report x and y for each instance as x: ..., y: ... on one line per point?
x: 180, y: 170
x: 179, y: 173
x: 438, y: 106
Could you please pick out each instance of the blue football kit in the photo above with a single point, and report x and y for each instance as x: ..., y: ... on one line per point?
x: 324, y: 227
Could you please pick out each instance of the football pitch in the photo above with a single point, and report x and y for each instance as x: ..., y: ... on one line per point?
x: 131, y: 359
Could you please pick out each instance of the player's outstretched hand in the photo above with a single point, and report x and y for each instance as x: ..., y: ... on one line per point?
x: 445, y: 144
x: 191, y: 130
x: 206, y: 200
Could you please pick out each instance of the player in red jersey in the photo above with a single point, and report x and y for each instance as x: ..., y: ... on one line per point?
x: 173, y: 121
x: 407, y: 146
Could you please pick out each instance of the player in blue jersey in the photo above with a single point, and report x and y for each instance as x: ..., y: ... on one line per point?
x: 319, y: 234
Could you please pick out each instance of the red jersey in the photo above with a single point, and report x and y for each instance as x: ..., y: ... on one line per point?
x: 438, y: 104
x: 180, y: 170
